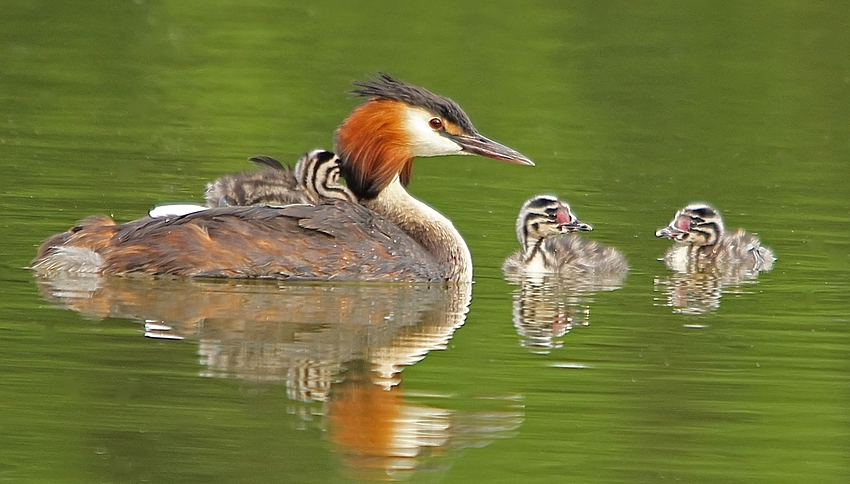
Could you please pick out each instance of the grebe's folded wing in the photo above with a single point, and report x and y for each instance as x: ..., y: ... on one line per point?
x: 338, y: 240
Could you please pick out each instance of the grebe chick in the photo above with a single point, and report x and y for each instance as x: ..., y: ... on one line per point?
x: 545, y: 227
x: 314, y: 177
x: 701, y: 240
x: 388, y: 236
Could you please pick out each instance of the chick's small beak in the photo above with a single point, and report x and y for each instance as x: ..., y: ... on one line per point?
x: 567, y: 222
x: 670, y: 232
x: 575, y: 226
x: 479, y: 145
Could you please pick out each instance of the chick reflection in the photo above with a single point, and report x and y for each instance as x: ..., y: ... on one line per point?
x: 340, y: 346
x: 707, y: 261
x: 545, y: 308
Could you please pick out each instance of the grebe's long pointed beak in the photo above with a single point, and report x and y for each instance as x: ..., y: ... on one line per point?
x: 479, y: 145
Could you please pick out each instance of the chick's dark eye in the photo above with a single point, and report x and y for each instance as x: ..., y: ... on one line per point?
x: 436, y: 123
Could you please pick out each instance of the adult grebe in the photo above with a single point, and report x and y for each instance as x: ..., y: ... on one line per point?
x: 701, y: 240
x: 544, y: 228
x: 388, y: 236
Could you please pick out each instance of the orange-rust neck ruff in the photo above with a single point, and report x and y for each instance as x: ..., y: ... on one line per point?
x: 372, y: 143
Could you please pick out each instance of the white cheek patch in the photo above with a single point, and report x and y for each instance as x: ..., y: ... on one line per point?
x: 424, y: 141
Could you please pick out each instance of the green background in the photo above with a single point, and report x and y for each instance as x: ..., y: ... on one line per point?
x: 629, y: 109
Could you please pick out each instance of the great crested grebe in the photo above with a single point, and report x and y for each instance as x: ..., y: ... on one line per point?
x: 388, y: 236
x: 545, y: 227
x: 701, y: 240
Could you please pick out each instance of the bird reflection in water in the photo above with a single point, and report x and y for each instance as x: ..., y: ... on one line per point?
x: 382, y: 434
x: 338, y: 348
x: 547, y: 307
x: 699, y: 291
x: 707, y: 261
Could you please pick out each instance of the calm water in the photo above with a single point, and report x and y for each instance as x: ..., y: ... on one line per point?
x: 629, y: 111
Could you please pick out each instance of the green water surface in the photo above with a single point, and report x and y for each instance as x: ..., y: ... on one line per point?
x: 630, y: 110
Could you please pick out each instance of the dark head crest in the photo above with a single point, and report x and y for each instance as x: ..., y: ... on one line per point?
x: 382, y: 86
x: 705, y: 212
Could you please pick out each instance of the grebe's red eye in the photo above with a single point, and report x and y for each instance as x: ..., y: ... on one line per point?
x: 436, y: 123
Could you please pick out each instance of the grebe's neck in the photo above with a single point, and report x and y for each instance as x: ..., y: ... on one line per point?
x: 426, y: 226
x: 535, y: 256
